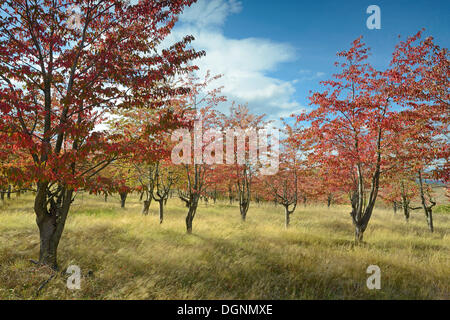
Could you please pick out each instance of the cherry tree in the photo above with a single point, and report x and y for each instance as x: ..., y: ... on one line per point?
x: 420, y: 72
x: 204, y: 139
x: 242, y: 126
x: 352, y: 124
x: 57, y: 79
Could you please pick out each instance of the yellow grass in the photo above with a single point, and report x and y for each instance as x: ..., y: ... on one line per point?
x: 133, y: 257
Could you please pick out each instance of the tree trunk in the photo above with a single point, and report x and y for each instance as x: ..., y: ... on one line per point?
x: 192, y: 205
x: 287, y: 216
x: 2, y: 195
x: 51, y: 223
x: 123, y: 198
x: 430, y: 219
x: 395, y: 207
x: 428, y: 209
x: 8, y: 195
x: 360, y: 217
x: 359, y: 232
x: 161, y: 212
x: 243, y: 206
x: 189, y: 224
x: 146, y: 207
x: 406, y: 210
x: 405, y: 201
x: 48, y: 241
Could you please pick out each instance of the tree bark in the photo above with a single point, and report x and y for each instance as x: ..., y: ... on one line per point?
x: 243, y: 187
x: 161, y: 211
x: 243, y: 206
x: 146, y: 207
x: 48, y: 241
x: 123, y: 198
x: 51, y: 222
x: 8, y: 195
x: 192, y: 205
x: 287, y: 216
x: 405, y: 201
x: 359, y: 232
x: 189, y: 224
x: 430, y: 219
x: 406, y: 210
x: 428, y: 209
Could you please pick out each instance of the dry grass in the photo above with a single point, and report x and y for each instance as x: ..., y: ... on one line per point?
x: 133, y: 257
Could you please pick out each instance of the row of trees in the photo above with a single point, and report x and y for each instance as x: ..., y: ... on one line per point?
x: 96, y: 108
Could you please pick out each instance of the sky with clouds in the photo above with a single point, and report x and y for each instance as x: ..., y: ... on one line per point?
x: 273, y: 53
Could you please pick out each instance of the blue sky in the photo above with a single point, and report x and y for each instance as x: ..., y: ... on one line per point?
x: 272, y: 53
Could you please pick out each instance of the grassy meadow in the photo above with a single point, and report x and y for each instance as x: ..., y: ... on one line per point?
x: 124, y: 255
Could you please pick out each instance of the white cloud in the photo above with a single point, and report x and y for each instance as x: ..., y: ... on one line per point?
x: 245, y: 63
x: 207, y: 13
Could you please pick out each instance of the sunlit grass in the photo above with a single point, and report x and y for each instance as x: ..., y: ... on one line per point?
x: 131, y: 256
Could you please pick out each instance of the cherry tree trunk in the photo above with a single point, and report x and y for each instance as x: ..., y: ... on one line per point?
x: 406, y: 211
x: 192, y: 205
x: 428, y: 209
x: 243, y: 206
x: 146, y: 207
x: 430, y: 219
x: 161, y: 212
x: 123, y: 198
x: 359, y: 232
x: 48, y: 241
x: 51, y: 224
x: 287, y: 215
